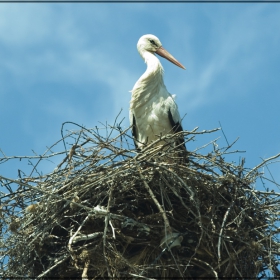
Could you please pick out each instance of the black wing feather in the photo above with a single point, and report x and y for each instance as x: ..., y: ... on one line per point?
x: 176, y: 127
x: 134, y: 132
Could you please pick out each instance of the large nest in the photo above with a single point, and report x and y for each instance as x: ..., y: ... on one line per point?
x: 109, y: 211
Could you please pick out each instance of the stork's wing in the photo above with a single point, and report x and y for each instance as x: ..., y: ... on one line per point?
x: 175, y: 120
x: 134, y: 132
x: 134, y: 128
x: 176, y: 127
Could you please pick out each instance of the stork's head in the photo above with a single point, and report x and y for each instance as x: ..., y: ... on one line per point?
x: 151, y: 43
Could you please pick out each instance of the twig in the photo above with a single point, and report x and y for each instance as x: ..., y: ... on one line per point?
x: 223, y: 133
x: 63, y: 259
x: 105, y: 234
x: 221, y: 230
x: 86, y: 237
x: 209, y: 266
x: 261, y: 164
x: 166, y: 222
x: 85, y: 270
x: 75, y: 234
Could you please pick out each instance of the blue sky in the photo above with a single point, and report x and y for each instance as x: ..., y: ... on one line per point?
x: 78, y: 62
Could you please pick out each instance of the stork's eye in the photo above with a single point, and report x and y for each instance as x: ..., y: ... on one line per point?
x: 153, y: 42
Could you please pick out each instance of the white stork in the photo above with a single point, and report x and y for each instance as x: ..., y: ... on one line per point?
x: 153, y: 111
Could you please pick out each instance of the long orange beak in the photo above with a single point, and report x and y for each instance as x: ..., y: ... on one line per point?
x: 164, y: 53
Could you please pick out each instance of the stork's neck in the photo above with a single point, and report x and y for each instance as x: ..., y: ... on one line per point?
x: 150, y: 82
x: 154, y: 67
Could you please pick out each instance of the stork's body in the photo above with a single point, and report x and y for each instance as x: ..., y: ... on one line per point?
x: 153, y: 111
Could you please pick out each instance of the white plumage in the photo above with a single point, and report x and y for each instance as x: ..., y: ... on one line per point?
x: 153, y: 111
